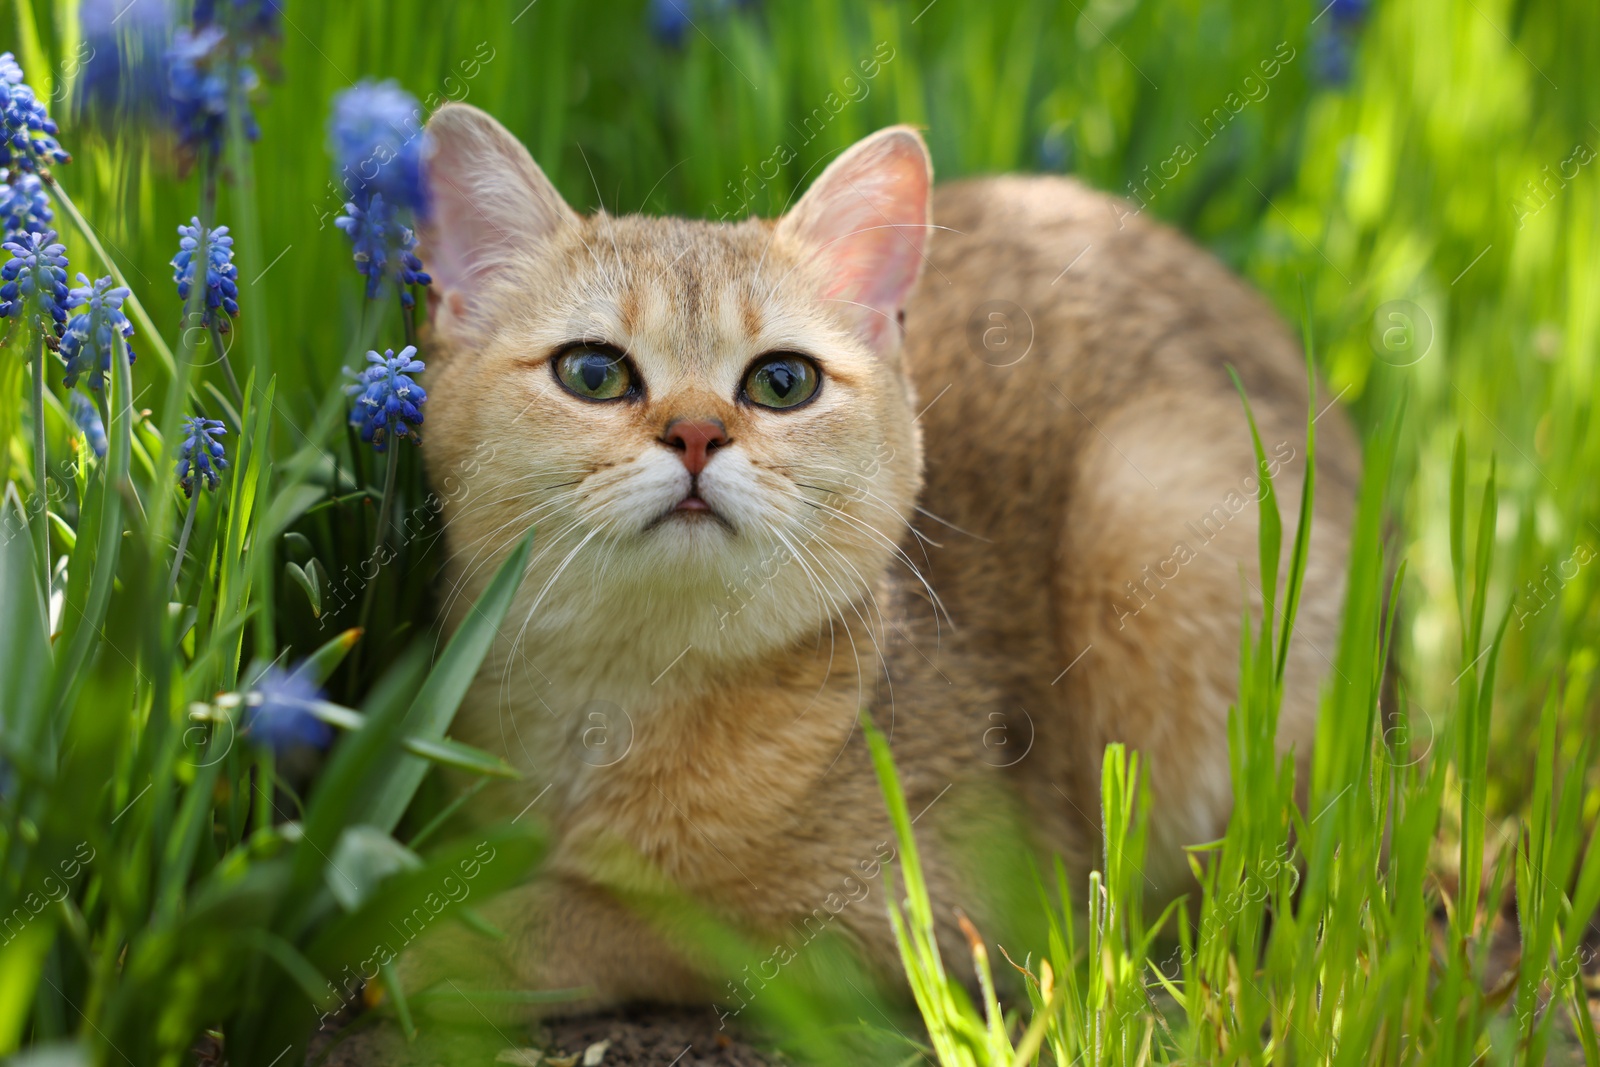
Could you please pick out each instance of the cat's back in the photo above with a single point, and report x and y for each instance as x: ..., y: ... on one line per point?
x: 1049, y: 314
x: 1048, y: 311
x: 1044, y: 268
x: 1090, y: 481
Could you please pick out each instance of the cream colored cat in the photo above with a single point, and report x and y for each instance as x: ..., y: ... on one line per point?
x: 968, y: 458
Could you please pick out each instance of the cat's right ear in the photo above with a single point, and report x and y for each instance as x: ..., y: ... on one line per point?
x: 489, y: 206
x: 866, y: 220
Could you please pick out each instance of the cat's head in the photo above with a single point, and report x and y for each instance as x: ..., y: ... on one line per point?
x: 709, y: 423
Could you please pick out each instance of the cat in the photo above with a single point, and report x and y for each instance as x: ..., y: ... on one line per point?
x: 968, y: 460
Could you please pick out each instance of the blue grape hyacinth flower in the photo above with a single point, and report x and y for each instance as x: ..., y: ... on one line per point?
x: 89, y: 421
x: 670, y: 20
x: 86, y: 348
x: 278, y: 712
x: 410, y: 271
x: 205, y: 72
x: 222, y: 277
x: 27, y: 136
x: 375, y: 137
x: 201, y: 457
x: 1055, y: 150
x: 123, y: 74
x: 1335, y: 46
x: 387, y: 401
x: 1350, y: 11
x: 24, y: 207
x: 378, y: 239
x: 246, y: 18
x: 35, y: 283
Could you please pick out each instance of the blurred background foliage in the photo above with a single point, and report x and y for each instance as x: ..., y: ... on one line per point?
x: 1424, y: 169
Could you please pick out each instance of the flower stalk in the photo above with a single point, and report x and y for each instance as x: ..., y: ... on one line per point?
x: 385, y: 516
x: 183, y: 544
x: 227, y: 368
x: 40, y: 518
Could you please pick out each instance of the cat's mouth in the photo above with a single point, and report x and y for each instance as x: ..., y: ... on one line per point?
x: 692, y: 510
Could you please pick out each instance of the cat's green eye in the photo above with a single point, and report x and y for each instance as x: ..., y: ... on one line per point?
x: 784, y: 380
x: 595, y: 372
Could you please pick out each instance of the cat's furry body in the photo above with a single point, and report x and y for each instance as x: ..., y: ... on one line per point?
x: 682, y: 692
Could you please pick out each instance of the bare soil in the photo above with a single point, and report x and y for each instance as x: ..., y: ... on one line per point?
x: 643, y: 1037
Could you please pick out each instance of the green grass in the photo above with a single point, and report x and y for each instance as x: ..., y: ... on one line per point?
x: 1452, y: 182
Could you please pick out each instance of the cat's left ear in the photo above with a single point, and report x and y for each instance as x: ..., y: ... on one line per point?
x: 492, y: 209
x: 867, y: 219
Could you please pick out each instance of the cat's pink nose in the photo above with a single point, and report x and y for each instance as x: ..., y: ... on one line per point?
x: 695, y: 440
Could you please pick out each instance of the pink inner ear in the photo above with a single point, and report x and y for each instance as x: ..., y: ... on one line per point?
x: 867, y: 217
x: 878, y: 251
x: 448, y: 235
x: 490, y: 201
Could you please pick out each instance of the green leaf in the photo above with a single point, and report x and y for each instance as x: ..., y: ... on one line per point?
x: 1271, y: 530
x: 335, y: 801
x: 325, y: 660
x: 178, y: 851
x: 24, y: 632
x: 35, y: 59
x: 287, y: 507
x: 430, y: 714
x: 94, y: 564
x: 229, y: 412
x: 307, y: 584
x: 1301, y: 552
x: 437, y: 750
x: 64, y: 533
x: 1458, y: 530
x: 479, y: 866
x: 21, y: 964
x: 296, y: 966
x: 64, y: 1054
x: 317, y: 573
x: 363, y: 858
x: 461, y: 757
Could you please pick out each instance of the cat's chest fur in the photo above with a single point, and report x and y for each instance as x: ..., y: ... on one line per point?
x: 698, y: 772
